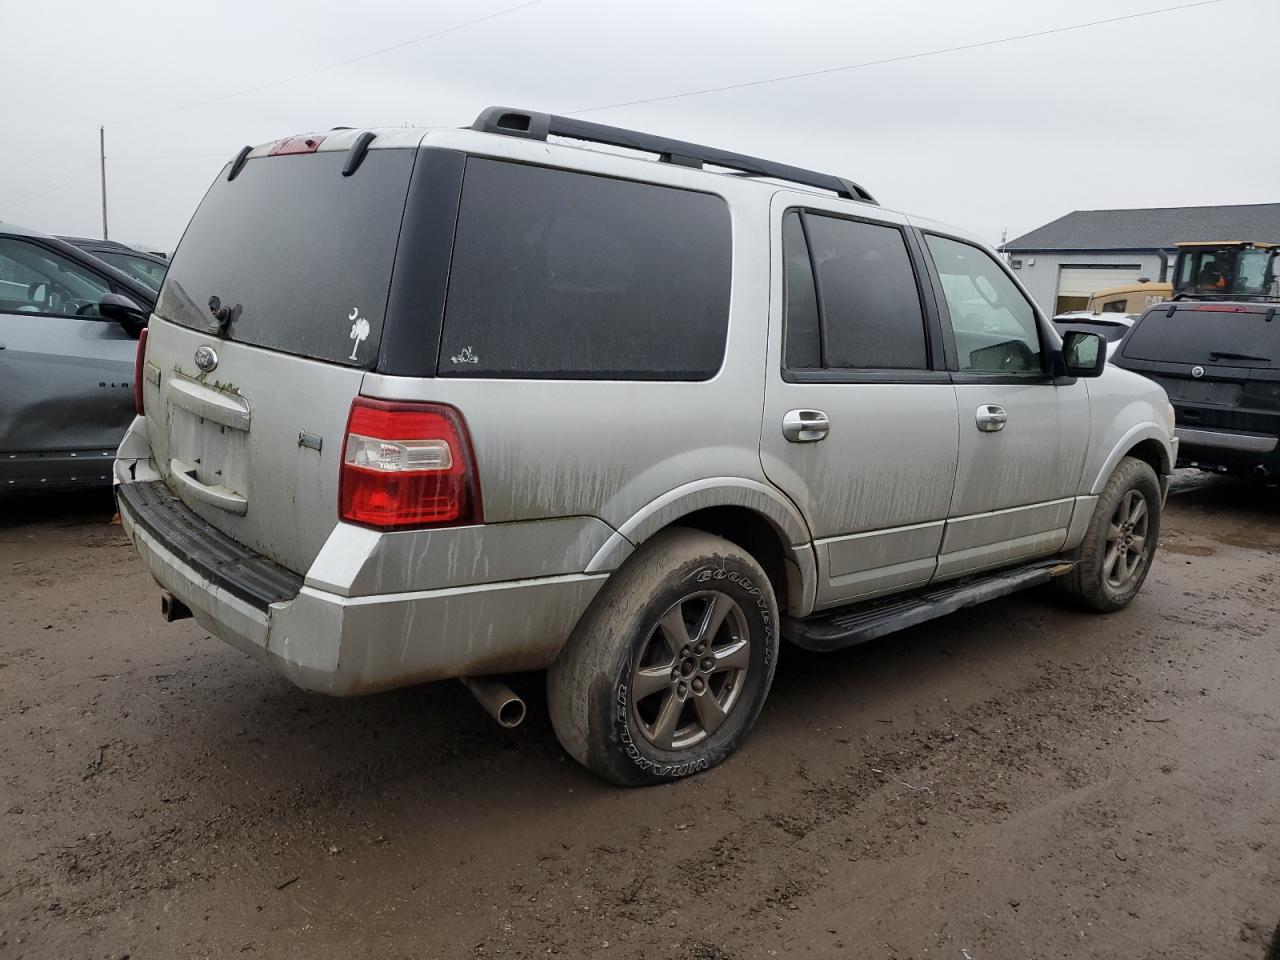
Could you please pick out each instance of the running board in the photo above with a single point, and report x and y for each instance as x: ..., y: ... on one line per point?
x: 847, y: 626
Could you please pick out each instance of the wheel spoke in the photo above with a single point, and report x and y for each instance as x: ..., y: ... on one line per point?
x: 734, y: 657
x: 717, y: 610
x: 664, y: 726
x: 673, y: 629
x: 1136, y: 544
x: 710, y: 713
x: 1126, y: 505
x: 649, y: 680
x: 1139, y: 508
x: 1109, y: 561
x: 1113, y: 532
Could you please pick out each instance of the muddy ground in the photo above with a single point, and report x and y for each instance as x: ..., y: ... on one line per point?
x: 1016, y: 781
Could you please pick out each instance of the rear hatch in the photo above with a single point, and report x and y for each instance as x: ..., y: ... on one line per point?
x: 269, y: 316
x: 1219, y: 362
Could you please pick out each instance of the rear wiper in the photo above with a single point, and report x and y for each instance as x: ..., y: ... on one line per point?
x: 1224, y: 355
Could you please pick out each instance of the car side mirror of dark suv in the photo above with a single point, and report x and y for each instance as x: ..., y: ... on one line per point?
x: 118, y: 307
x: 1084, y: 354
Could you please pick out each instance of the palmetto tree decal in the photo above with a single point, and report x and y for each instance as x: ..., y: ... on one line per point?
x: 359, y: 330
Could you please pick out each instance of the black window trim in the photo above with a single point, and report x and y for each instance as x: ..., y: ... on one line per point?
x: 934, y: 344
x: 1043, y: 327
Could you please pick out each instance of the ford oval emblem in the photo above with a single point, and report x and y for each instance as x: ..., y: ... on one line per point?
x: 1196, y: 371
x: 207, y: 358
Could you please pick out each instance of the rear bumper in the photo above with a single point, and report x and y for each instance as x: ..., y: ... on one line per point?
x: 1228, y: 450
x: 346, y: 645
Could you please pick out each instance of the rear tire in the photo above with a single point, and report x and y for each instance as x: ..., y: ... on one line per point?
x: 1115, y: 556
x: 668, y: 669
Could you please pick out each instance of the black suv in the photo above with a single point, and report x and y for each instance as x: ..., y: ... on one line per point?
x: 1219, y: 361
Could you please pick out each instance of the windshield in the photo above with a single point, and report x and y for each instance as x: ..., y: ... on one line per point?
x: 140, y: 268
x: 1207, y: 336
x: 293, y: 256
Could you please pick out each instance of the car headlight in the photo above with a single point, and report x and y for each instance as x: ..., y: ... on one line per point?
x: 1172, y: 416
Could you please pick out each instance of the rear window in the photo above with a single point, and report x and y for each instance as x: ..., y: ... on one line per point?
x: 1204, y: 335
x: 559, y: 274
x: 297, y: 255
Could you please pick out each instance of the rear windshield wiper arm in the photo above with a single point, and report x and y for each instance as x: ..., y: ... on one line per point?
x: 1225, y: 355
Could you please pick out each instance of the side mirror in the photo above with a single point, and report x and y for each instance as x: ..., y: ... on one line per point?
x: 117, y: 307
x: 1084, y: 354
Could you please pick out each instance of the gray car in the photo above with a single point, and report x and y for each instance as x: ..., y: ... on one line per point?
x: 66, y: 362
x: 458, y: 403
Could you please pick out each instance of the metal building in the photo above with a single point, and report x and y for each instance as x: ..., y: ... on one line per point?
x: 1064, y: 262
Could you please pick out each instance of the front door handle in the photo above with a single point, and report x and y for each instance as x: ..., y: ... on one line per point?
x: 805, y: 426
x: 991, y: 418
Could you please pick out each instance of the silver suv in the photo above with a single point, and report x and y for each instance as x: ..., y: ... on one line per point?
x: 458, y: 403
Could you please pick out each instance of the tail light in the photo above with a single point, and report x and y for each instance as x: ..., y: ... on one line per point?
x: 407, y: 465
x: 139, y: 363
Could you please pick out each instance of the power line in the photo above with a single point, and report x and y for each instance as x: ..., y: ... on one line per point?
x: 331, y: 66
x: 899, y: 59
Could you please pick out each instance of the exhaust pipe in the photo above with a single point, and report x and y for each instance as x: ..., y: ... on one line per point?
x: 171, y: 608
x: 500, y: 701
x: 1261, y: 472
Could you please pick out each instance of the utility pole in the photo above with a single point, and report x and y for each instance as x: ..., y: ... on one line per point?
x: 102, y: 166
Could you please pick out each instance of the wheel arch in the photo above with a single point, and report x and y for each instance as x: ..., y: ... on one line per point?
x: 748, y: 513
x: 1145, y: 441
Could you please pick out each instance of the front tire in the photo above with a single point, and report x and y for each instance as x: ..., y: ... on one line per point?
x: 1115, y: 556
x: 667, y: 671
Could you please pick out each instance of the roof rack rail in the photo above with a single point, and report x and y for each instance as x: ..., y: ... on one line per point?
x: 538, y: 126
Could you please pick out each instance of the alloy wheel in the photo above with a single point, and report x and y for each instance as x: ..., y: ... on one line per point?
x: 690, y: 671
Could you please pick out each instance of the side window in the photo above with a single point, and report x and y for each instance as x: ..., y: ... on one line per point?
x: 802, y: 347
x: 994, y: 323
x: 40, y: 282
x: 561, y: 274
x: 851, y: 296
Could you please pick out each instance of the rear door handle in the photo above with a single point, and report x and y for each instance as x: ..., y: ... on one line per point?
x: 805, y: 426
x: 991, y: 418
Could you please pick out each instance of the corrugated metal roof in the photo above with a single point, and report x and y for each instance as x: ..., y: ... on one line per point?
x: 1152, y: 228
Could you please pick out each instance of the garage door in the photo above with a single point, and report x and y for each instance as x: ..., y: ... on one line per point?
x: 1084, y: 281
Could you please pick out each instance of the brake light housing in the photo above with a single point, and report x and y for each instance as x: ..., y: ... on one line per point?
x: 139, y: 364
x: 408, y: 466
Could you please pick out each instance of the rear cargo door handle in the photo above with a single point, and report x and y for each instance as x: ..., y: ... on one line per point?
x: 991, y: 418
x: 805, y: 426
x: 219, y: 495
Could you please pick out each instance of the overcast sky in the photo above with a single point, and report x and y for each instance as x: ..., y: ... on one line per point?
x: 1180, y: 108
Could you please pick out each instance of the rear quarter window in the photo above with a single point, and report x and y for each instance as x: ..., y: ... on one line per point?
x: 566, y: 275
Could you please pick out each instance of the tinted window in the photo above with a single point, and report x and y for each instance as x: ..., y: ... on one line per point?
x: 1203, y: 335
x: 994, y: 324
x: 300, y: 254
x: 140, y: 268
x: 870, y: 305
x: 559, y: 274
x: 803, y: 347
x: 36, y: 280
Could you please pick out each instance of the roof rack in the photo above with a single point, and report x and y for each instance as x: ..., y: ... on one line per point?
x: 538, y: 126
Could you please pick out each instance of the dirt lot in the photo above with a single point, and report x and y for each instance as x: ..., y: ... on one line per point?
x: 1016, y: 781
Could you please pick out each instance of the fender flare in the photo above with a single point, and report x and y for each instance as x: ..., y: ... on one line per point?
x: 760, y: 498
x: 1132, y: 437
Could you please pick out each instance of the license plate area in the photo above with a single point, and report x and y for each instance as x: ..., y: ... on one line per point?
x: 1202, y: 391
x: 218, y: 453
